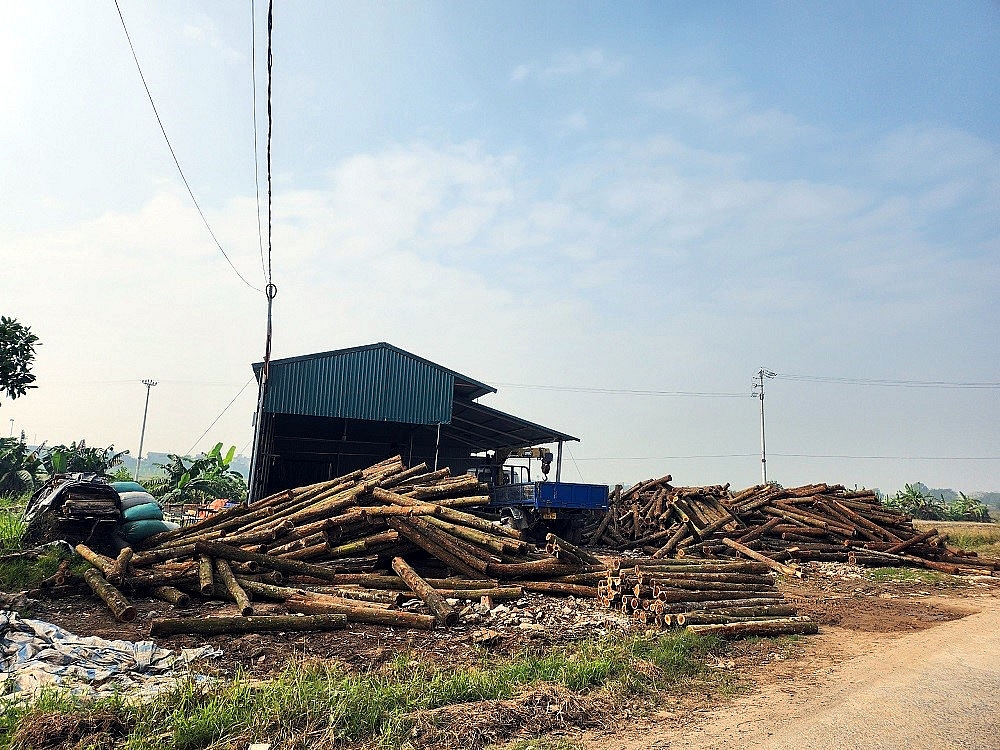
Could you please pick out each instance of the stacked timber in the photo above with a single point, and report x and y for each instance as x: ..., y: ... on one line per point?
x: 727, y: 598
x: 769, y: 523
x: 351, y: 549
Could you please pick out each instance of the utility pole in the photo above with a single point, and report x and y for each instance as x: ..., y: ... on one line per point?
x: 758, y: 390
x: 142, y: 436
x: 12, y: 426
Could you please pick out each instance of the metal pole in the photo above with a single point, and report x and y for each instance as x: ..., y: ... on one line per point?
x: 763, y: 448
x: 437, y: 445
x: 758, y: 385
x: 12, y: 426
x: 559, y: 461
x: 142, y: 436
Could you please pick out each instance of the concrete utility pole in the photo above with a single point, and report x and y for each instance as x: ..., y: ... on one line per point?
x: 758, y: 389
x: 142, y: 436
x: 12, y: 426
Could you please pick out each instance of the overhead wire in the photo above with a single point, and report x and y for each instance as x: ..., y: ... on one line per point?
x: 256, y: 160
x: 221, y: 413
x: 623, y: 391
x: 888, y: 382
x: 173, y: 154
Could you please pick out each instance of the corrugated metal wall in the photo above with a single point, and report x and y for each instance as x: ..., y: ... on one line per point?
x: 370, y: 383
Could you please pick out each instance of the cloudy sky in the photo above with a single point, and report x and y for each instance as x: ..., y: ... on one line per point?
x: 638, y: 198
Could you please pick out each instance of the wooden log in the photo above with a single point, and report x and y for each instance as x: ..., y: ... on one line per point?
x: 782, y: 626
x: 120, y: 607
x: 788, y: 570
x: 206, y: 578
x: 152, y: 557
x: 735, y: 613
x: 240, y: 625
x: 444, y: 613
x: 293, y: 567
x: 579, y: 552
x: 564, y: 589
x: 228, y: 580
x: 320, y: 604
x: 498, y: 594
x: 916, y: 539
x: 119, y: 567
x: 447, y: 552
x: 171, y: 595
x: 99, y: 561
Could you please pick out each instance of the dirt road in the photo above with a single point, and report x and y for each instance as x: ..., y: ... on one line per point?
x: 937, y: 688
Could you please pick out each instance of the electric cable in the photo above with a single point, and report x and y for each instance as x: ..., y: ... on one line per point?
x: 622, y: 391
x: 888, y: 382
x: 174, y: 155
x: 256, y: 160
x: 233, y: 401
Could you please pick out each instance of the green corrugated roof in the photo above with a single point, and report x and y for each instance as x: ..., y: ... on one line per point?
x: 376, y: 382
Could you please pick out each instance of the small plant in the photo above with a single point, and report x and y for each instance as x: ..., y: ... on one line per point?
x: 21, y: 470
x: 79, y: 457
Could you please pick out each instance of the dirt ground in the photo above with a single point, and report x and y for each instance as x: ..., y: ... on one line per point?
x: 860, y: 613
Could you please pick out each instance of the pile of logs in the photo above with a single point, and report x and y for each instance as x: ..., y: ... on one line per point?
x: 351, y: 549
x: 726, y: 598
x: 770, y: 523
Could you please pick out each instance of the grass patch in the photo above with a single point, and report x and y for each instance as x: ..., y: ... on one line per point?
x: 323, y: 705
x: 911, y: 575
x: 542, y: 744
x: 983, y: 538
x: 18, y: 575
x: 11, y: 521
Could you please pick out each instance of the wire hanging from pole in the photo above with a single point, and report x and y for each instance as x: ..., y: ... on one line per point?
x: 256, y: 484
x: 256, y: 159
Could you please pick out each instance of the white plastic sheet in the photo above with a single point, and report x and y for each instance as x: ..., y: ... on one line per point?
x: 37, y: 654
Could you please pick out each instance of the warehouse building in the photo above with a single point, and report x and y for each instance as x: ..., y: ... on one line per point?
x: 331, y: 413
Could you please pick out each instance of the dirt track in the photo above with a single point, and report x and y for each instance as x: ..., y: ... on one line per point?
x: 936, y: 688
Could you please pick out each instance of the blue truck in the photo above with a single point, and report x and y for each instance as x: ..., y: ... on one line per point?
x: 541, y: 506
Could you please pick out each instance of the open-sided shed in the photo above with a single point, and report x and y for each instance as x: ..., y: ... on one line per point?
x: 330, y: 413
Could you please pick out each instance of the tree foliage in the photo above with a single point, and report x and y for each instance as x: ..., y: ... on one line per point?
x: 22, y: 469
x: 199, y: 480
x: 916, y: 500
x: 17, y: 354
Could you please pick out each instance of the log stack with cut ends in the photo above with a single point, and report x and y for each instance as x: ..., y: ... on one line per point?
x: 727, y: 599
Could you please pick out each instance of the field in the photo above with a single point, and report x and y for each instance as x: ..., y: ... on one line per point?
x: 983, y: 538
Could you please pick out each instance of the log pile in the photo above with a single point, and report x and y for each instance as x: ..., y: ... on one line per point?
x: 775, y: 525
x: 724, y: 598
x: 351, y: 549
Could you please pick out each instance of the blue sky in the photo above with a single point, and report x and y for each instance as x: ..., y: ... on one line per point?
x: 637, y: 196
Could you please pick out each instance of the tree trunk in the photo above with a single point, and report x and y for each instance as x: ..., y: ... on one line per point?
x: 240, y: 625
x: 442, y: 611
x: 116, y: 601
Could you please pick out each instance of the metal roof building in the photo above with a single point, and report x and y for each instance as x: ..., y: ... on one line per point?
x: 329, y: 413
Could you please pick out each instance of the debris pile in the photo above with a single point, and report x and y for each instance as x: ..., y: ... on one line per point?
x: 352, y: 549
x: 775, y: 525
x: 729, y: 599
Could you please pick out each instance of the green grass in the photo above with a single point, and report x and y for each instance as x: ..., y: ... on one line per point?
x: 541, y: 744
x: 319, y: 701
x: 18, y: 575
x: 11, y: 524
x: 983, y: 538
x: 914, y: 575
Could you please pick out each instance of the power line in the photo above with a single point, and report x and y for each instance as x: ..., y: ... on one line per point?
x: 174, y: 155
x: 240, y: 393
x: 621, y: 391
x: 889, y: 382
x: 256, y: 159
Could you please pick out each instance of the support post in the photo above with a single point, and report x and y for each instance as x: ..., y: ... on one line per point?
x: 437, y: 446
x: 559, y: 447
x: 142, y: 435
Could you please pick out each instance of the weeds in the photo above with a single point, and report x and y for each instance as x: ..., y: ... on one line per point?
x: 324, y: 702
x: 914, y: 575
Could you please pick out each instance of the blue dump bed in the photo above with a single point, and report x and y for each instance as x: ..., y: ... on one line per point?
x: 541, y: 495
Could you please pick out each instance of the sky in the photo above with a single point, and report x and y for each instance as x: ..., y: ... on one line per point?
x: 559, y: 199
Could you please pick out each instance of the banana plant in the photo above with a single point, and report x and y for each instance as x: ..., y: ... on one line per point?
x: 201, y: 479
x: 21, y: 470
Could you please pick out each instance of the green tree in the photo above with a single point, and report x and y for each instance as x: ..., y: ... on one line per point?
x: 21, y: 470
x: 199, y: 480
x: 79, y: 457
x: 17, y: 354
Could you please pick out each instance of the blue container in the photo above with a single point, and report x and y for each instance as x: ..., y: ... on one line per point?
x: 566, y: 495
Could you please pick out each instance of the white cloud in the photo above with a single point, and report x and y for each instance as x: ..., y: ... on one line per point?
x: 202, y: 30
